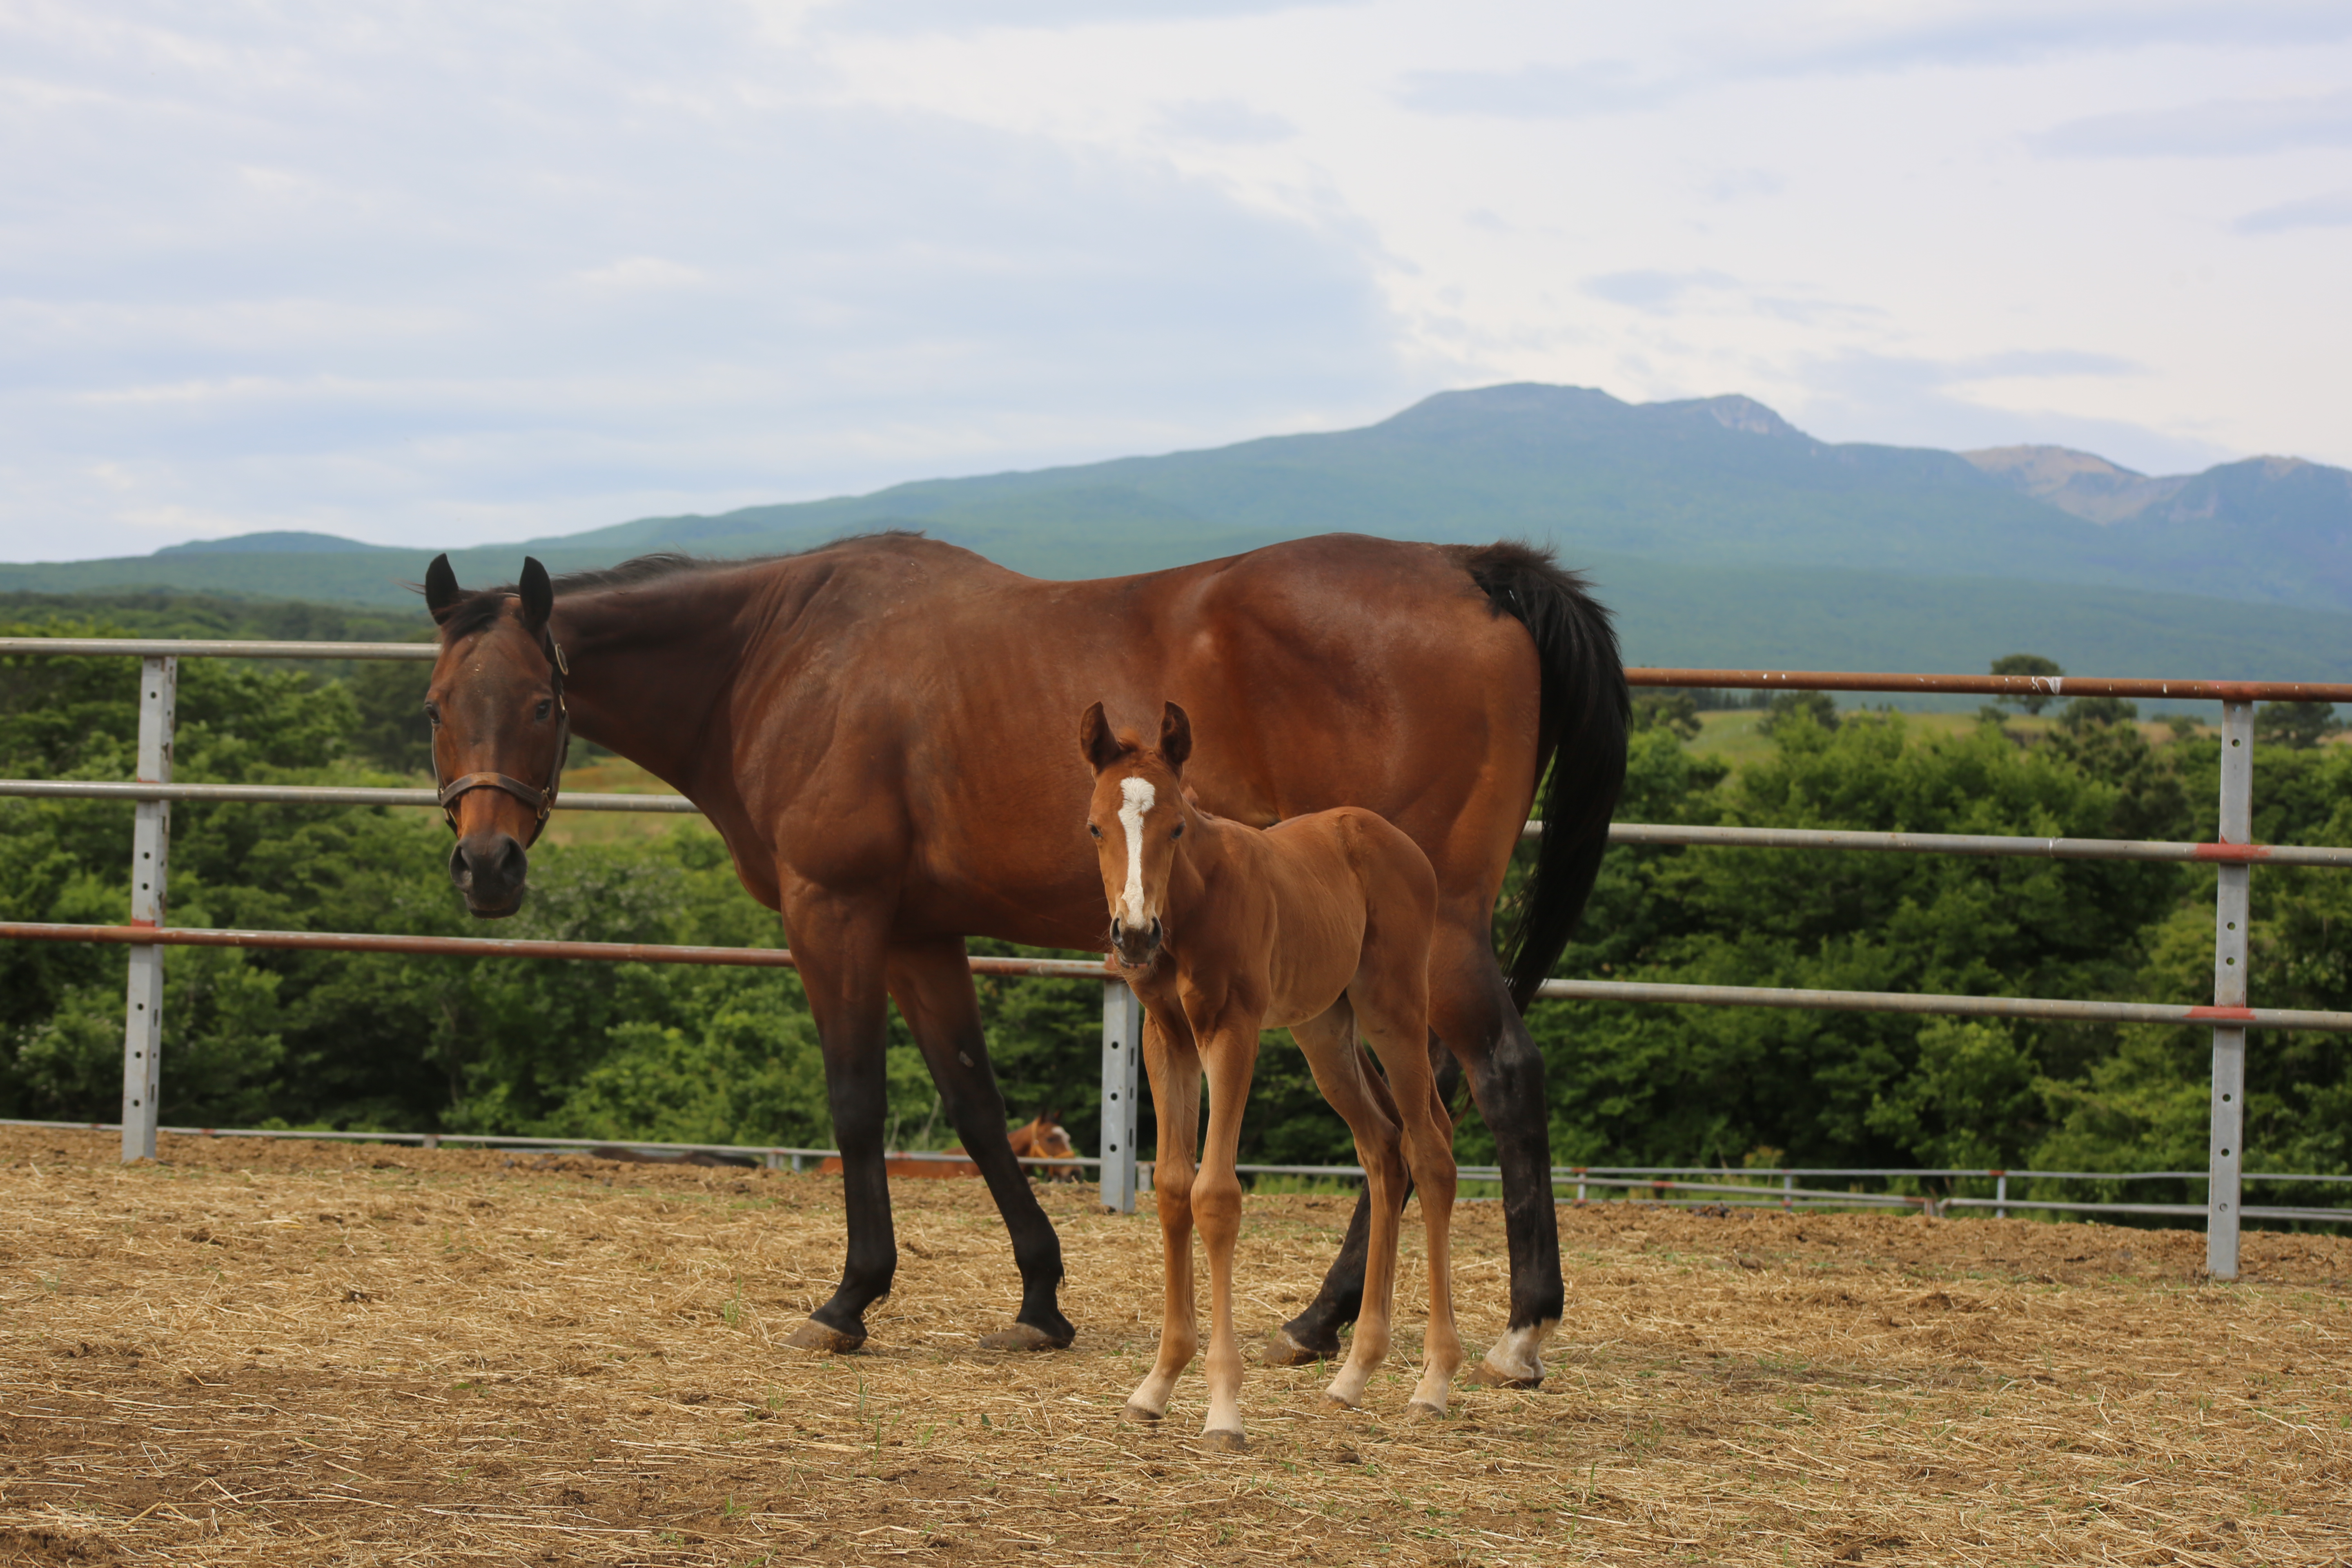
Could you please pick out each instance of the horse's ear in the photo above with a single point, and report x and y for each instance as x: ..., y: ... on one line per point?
x: 538, y: 595
x: 441, y: 590
x: 1175, y: 738
x: 1095, y: 739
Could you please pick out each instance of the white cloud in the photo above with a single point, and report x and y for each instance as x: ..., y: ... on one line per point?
x: 2333, y: 210
x: 1534, y: 92
x: 1225, y: 120
x: 2227, y: 128
x: 476, y: 270
x: 641, y: 272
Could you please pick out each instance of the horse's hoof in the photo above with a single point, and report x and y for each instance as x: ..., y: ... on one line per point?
x: 815, y: 1336
x: 1024, y: 1337
x: 1482, y: 1376
x: 1333, y: 1402
x: 1282, y: 1350
x: 1224, y: 1442
x: 1139, y: 1413
x: 1423, y: 1410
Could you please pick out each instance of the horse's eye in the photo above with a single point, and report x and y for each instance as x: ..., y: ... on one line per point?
x: 545, y: 707
x: 1093, y: 829
x: 433, y: 712
x: 1178, y: 833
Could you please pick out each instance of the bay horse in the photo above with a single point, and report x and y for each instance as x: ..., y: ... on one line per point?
x: 1042, y: 1138
x: 877, y: 729
x: 1319, y: 925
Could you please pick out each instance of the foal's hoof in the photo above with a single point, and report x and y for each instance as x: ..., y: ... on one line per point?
x: 815, y: 1336
x: 1423, y: 1410
x: 1282, y: 1350
x: 1144, y: 1413
x: 1024, y: 1337
x: 1224, y: 1442
x: 1333, y: 1402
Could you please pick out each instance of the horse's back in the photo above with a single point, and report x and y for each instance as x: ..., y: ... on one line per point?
x: 1336, y: 670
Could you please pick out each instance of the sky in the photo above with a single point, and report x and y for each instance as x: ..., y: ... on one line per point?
x: 443, y: 273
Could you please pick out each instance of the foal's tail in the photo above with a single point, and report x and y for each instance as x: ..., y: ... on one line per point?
x: 1585, y: 710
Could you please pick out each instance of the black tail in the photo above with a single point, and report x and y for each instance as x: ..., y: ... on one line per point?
x: 1585, y: 710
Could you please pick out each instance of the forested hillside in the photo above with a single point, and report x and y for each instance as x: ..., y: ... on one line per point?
x: 374, y: 1041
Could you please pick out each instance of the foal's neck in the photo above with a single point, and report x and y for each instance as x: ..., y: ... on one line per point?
x: 1205, y: 862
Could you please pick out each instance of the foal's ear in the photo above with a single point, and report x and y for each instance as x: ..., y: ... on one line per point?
x: 1095, y: 739
x: 538, y: 595
x: 1175, y: 738
x: 441, y: 590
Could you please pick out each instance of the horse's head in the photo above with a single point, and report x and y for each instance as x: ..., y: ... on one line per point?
x: 499, y: 727
x: 1048, y: 1139
x: 1138, y: 814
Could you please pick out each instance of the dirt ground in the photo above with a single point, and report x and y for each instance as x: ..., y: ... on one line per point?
x: 318, y: 1353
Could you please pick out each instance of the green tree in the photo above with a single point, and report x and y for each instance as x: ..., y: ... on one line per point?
x: 1818, y: 708
x: 2026, y: 664
x: 2301, y: 725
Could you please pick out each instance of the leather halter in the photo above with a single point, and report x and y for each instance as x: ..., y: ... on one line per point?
x: 540, y: 798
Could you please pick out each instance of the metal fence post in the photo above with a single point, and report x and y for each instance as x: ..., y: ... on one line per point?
x: 150, y: 845
x: 1122, y: 1057
x: 2231, y: 913
x: 2000, y: 1195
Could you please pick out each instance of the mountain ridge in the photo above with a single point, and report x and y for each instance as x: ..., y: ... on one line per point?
x: 1710, y: 488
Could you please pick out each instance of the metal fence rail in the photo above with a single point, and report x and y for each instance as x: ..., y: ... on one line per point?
x: 153, y: 793
x: 1730, y: 1190
x: 1647, y: 833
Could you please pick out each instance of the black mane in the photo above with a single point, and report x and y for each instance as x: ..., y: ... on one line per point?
x: 483, y: 605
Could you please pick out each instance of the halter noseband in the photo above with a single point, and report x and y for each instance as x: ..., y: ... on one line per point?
x: 540, y: 798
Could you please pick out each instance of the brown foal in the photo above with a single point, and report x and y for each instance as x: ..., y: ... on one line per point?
x: 1322, y: 925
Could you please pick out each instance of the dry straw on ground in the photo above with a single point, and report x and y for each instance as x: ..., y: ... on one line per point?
x: 305, y: 1353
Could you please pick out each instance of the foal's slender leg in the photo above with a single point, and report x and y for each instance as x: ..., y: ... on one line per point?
x: 931, y: 982
x: 1230, y: 1054
x: 840, y: 951
x: 1429, y: 1144
x: 1348, y: 1081
x: 1392, y: 998
x: 1174, y: 1063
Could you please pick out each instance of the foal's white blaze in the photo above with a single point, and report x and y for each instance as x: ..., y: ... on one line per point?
x: 1139, y: 795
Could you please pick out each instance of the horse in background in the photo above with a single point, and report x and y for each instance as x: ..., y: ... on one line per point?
x: 1320, y: 924
x: 1042, y: 1138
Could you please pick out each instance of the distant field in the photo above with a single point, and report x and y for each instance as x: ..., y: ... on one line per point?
x: 1735, y: 736
x: 611, y: 775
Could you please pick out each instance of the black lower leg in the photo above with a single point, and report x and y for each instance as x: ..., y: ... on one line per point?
x: 932, y: 983
x: 853, y: 1084
x: 1509, y: 1084
x: 1037, y: 1249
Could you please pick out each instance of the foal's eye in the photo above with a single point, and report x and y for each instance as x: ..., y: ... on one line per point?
x: 1178, y: 833
x: 1093, y: 829
x: 545, y: 707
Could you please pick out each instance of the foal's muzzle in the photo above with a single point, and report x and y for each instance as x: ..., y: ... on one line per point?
x: 1135, y: 945
x: 489, y: 869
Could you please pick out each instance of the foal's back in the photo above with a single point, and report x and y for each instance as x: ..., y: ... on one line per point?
x: 1349, y: 896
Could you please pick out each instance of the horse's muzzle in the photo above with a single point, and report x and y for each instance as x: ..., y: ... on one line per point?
x: 489, y: 870
x: 1135, y: 947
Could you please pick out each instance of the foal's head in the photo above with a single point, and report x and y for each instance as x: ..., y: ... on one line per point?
x: 1138, y: 814
x: 499, y: 728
